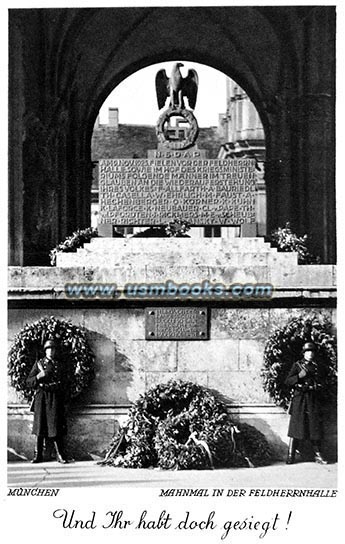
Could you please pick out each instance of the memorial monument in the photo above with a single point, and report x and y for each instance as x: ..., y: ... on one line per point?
x: 176, y: 180
x: 172, y: 314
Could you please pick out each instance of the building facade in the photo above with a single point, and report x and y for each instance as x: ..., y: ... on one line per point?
x: 244, y: 137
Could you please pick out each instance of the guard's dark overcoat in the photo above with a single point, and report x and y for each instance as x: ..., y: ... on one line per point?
x: 305, y: 407
x: 48, y: 405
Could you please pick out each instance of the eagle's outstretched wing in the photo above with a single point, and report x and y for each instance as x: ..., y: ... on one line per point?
x: 162, y: 87
x: 190, y: 87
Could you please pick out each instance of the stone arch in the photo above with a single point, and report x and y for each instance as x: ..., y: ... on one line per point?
x: 89, y: 51
x: 263, y: 90
x: 260, y: 84
x: 188, y: 56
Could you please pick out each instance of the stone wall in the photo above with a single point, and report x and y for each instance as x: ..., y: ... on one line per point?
x: 127, y: 365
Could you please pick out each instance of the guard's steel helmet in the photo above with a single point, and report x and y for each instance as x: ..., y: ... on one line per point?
x: 309, y: 346
x: 49, y: 344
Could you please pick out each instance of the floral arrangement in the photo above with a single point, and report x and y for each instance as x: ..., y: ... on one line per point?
x: 151, y: 232
x: 286, y: 240
x: 174, y: 447
x: 182, y: 425
x: 76, y: 240
x: 284, y: 347
x: 177, y: 228
x: 73, y: 351
x: 73, y: 242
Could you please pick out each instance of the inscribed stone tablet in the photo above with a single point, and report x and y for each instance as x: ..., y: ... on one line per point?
x: 152, y: 192
x: 176, y: 323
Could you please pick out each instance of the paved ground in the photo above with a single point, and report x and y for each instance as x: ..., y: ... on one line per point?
x: 90, y: 474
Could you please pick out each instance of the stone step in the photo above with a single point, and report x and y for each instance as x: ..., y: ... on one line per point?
x: 88, y: 473
x: 194, y: 256
x: 237, y: 252
x: 256, y: 242
x: 124, y: 261
x: 174, y: 247
x: 50, y: 280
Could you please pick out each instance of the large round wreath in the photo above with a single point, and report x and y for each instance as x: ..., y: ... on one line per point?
x: 182, y: 425
x: 284, y: 347
x: 73, y: 351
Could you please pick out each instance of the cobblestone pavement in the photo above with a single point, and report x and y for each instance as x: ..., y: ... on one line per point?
x: 90, y: 474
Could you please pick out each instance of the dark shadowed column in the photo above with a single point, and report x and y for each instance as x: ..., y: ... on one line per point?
x: 15, y: 120
x: 317, y: 108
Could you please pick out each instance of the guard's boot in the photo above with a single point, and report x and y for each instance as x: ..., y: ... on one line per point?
x: 317, y: 455
x: 292, y: 452
x: 60, y: 457
x: 38, y: 456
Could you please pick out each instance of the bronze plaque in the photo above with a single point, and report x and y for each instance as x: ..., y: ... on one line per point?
x: 150, y: 192
x: 176, y: 323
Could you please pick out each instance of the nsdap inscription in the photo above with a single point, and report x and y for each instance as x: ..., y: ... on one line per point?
x: 153, y: 191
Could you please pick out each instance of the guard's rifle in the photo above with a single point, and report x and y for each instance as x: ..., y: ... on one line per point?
x: 114, y: 448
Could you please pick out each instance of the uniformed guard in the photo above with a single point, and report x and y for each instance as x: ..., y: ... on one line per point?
x: 46, y: 378
x: 306, y: 377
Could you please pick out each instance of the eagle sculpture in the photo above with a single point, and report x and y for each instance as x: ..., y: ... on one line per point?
x: 177, y: 87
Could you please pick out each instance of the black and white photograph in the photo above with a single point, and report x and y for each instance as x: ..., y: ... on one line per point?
x: 172, y: 347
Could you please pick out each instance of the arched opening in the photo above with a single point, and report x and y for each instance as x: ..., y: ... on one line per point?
x: 266, y: 50
x: 229, y: 127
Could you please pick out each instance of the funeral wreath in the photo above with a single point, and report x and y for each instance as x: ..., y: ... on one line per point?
x: 284, y: 347
x: 181, y: 425
x: 74, y: 353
